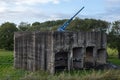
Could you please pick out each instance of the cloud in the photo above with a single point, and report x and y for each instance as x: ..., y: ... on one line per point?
x: 31, y: 10
x: 3, y: 6
x: 113, y: 1
x: 18, y: 4
x: 26, y: 10
x: 111, y: 4
x: 112, y: 10
x: 32, y: 2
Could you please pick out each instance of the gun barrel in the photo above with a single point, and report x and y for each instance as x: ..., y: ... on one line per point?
x: 62, y: 28
x: 78, y: 12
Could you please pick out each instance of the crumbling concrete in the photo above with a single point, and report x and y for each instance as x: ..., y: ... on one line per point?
x: 54, y: 51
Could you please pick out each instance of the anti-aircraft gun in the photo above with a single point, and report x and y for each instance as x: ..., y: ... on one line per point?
x: 63, y: 27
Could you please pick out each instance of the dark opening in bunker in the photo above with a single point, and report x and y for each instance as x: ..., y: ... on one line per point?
x: 89, y: 59
x: 101, y: 56
x: 61, y: 61
x: 77, y: 58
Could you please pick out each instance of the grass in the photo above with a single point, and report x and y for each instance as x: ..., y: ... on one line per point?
x: 7, y: 71
x: 79, y: 75
x: 113, y: 56
x: 115, y: 61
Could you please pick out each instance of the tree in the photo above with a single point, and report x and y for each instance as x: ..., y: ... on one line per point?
x: 23, y: 26
x: 6, y: 35
x: 88, y: 25
x: 114, y: 37
x: 36, y: 24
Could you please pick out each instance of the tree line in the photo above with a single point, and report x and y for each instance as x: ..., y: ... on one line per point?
x: 7, y: 30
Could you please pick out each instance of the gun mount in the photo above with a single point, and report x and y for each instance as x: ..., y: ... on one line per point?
x: 63, y: 27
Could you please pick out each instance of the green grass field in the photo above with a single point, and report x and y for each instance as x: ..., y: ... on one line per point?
x: 7, y: 71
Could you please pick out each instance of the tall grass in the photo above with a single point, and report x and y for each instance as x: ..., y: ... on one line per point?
x: 84, y: 75
x: 7, y: 72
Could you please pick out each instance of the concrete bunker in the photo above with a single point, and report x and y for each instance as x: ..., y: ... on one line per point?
x: 56, y: 51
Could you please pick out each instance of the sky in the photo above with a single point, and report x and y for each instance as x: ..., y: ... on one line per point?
x: 30, y: 11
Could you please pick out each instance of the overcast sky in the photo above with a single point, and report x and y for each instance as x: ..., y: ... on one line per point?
x: 42, y: 10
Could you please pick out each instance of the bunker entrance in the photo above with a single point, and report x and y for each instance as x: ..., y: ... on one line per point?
x: 89, y: 59
x: 101, y: 56
x: 61, y: 61
x: 77, y: 58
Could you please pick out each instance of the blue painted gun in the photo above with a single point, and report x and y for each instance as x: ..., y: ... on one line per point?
x: 62, y: 28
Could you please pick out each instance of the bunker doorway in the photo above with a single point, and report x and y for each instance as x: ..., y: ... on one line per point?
x: 89, y: 59
x: 61, y: 61
x: 77, y: 58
